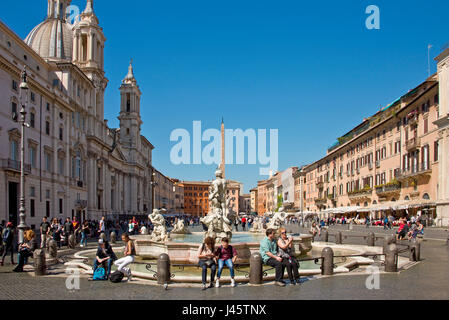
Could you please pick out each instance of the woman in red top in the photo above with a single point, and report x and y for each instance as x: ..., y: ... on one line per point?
x: 225, y: 254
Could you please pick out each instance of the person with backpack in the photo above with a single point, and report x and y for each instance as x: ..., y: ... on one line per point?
x: 105, y: 257
x: 7, y: 239
x: 226, y: 255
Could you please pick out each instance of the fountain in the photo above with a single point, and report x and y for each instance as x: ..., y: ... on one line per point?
x: 182, y: 246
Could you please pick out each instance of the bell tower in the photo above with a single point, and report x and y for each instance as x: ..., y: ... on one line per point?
x: 88, y: 53
x: 130, y: 121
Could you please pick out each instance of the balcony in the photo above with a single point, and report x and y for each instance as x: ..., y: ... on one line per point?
x: 360, y: 195
x: 319, y: 201
x: 415, y: 171
x: 412, y: 144
x: 388, y: 189
x: 14, y: 166
x: 80, y: 204
x: 320, y: 184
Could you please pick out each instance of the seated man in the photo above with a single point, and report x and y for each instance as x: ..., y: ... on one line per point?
x: 105, y: 256
x: 268, y: 250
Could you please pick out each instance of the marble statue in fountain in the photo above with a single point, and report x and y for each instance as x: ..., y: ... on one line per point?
x: 159, y: 233
x: 179, y: 227
x: 257, y: 226
x: 220, y: 218
x: 276, y: 220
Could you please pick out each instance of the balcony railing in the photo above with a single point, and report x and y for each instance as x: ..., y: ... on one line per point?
x: 14, y: 165
x: 412, y: 143
x: 415, y: 170
x: 388, y: 189
x: 363, y: 193
x: 320, y: 200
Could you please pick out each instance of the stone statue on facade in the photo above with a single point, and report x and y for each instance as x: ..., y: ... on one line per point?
x: 159, y: 233
x: 219, y: 219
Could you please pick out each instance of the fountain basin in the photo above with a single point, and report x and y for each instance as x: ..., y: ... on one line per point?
x: 181, y: 251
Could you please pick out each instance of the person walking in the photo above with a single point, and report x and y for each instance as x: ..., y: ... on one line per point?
x: 7, y: 239
x: 102, y: 226
x: 45, y: 229
x: 84, y: 233
x: 128, y: 258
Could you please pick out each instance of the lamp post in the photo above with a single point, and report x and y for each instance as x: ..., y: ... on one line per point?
x: 24, y: 101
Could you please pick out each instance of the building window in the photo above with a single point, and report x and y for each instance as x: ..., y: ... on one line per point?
x: 60, y: 206
x: 47, y: 208
x: 32, y: 120
x: 61, y: 134
x: 48, y: 106
x: 61, y: 166
x: 47, y: 127
x: 435, y: 151
x: 14, y: 114
x: 14, y: 85
x: 32, y: 208
x: 14, y: 150
x: 33, y: 97
x: 426, y: 125
x: 32, y: 155
x: 47, y: 157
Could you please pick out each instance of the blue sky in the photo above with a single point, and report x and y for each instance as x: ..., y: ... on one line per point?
x: 309, y: 69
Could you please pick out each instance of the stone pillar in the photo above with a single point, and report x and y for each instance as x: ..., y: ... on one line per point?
x: 391, y: 258
x: 325, y: 236
x: 389, y: 239
x: 339, y: 238
x: 71, y: 241
x: 53, y: 249
x: 415, y: 250
x: 113, y: 237
x: 255, y: 268
x: 327, y: 266
x: 40, y: 266
x: 163, y: 269
x: 371, y: 239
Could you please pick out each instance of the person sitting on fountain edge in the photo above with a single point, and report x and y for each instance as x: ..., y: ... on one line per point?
x: 288, y: 259
x: 226, y: 254
x: 207, y: 259
x: 268, y: 250
x: 105, y: 256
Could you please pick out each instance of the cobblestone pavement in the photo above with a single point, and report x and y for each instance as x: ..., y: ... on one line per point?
x: 426, y: 280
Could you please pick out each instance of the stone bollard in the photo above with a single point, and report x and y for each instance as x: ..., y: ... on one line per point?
x: 163, y: 269
x: 339, y: 238
x: 327, y: 266
x: 71, y: 242
x: 371, y: 239
x: 326, y: 236
x: 113, y: 237
x: 53, y: 249
x: 415, y: 250
x: 255, y: 268
x: 389, y: 239
x: 391, y: 258
x: 40, y: 266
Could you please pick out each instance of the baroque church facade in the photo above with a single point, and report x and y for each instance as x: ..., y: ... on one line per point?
x: 75, y: 164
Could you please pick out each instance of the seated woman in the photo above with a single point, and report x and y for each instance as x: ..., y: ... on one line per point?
x: 403, y: 229
x: 417, y: 228
x: 129, y: 253
x: 225, y: 254
x: 285, y: 245
x: 26, y: 249
x: 105, y: 257
x: 207, y: 259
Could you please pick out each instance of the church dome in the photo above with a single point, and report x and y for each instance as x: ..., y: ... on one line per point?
x: 52, y: 39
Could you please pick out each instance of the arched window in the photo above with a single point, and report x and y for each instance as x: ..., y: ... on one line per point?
x: 426, y: 196
x: 407, y: 198
x: 374, y: 202
x: 393, y: 200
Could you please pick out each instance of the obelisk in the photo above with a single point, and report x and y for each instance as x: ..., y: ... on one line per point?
x: 222, y: 165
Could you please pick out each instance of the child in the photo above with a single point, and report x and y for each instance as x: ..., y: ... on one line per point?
x: 225, y: 254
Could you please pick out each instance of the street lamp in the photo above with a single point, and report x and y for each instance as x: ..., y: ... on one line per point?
x: 24, y: 101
